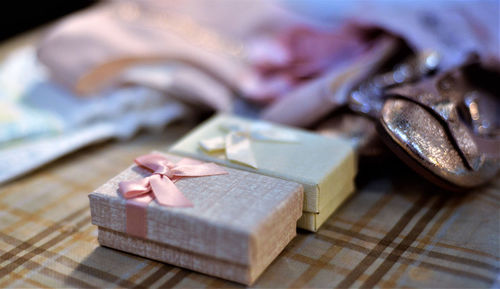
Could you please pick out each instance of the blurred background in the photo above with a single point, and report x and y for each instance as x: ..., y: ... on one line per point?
x: 25, y: 15
x: 89, y: 71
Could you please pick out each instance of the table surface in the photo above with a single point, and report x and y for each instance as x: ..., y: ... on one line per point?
x: 396, y: 231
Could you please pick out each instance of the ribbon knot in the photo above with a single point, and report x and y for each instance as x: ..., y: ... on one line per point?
x: 161, y: 184
x: 165, y: 170
x: 236, y: 143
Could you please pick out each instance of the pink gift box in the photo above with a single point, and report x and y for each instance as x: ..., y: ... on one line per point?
x: 238, y: 224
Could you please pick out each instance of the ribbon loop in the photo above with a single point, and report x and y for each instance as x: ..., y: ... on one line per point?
x: 160, y: 184
x: 131, y: 189
x: 238, y: 149
x: 167, y: 193
x: 213, y: 144
x: 153, y: 162
x: 237, y: 142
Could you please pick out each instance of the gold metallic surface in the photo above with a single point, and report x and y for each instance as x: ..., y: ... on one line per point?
x: 423, y: 137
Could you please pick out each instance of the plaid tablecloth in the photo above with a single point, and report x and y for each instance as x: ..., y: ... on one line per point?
x: 396, y: 231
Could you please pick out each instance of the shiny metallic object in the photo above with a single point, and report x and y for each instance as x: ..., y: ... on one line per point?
x: 445, y: 127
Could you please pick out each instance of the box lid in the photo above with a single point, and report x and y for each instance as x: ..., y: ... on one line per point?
x: 234, y: 217
x: 319, y: 163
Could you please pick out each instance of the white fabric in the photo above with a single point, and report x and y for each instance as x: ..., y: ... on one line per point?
x: 40, y: 121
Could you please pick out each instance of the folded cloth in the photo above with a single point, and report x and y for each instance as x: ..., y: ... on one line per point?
x: 259, y: 49
x: 314, y: 99
x: 41, y: 121
x: 296, y: 54
x: 87, y: 51
x: 297, y: 69
x: 182, y: 82
x: 266, y: 52
x: 451, y: 28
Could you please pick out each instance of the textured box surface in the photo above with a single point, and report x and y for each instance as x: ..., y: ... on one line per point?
x: 314, y: 220
x: 197, y: 262
x: 242, y: 219
x: 321, y: 164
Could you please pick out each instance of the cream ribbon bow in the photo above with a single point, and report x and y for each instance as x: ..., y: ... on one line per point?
x: 236, y: 142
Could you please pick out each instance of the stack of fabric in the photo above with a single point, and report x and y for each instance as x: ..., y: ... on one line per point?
x: 117, y: 67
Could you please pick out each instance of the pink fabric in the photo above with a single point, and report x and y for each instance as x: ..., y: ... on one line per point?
x: 87, y: 51
x: 160, y: 186
x: 315, y: 99
x: 296, y: 55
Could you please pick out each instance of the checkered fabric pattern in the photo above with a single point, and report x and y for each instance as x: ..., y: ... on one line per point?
x: 394, y: 232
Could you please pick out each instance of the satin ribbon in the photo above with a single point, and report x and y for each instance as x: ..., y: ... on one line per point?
x: 236, y: 143
x: 160, y: 186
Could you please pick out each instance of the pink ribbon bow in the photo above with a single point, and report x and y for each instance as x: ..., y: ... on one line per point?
x: 161, y: 184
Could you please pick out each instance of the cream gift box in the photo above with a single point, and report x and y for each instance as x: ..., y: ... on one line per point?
x: 237, y: 225
x: 325, y: 166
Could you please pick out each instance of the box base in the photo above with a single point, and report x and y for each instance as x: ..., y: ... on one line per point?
x: 178, y: 257
x: 312, y: 222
